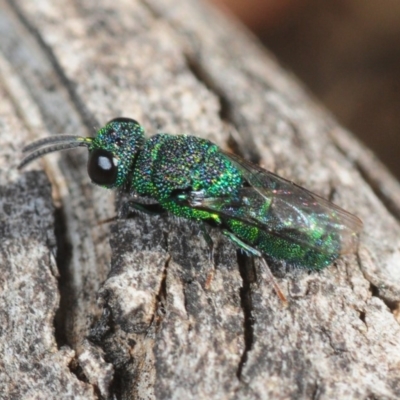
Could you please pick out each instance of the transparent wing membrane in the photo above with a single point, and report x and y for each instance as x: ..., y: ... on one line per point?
x: 285, y: 210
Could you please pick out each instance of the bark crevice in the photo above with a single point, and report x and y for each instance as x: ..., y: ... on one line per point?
x: 247, y: 273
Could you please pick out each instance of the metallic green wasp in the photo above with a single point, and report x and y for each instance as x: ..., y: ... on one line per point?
x: 193, y: 178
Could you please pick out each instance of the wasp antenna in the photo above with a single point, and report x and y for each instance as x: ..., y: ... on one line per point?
x: 51, y: 145
x: 47, y: 141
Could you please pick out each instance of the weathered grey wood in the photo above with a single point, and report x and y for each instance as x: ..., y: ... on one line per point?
x: 156, y: 327
x: 32, y: 365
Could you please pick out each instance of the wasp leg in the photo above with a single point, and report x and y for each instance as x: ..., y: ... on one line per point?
x: 256, y: 253
x: 210, y: 243
x: 241, y: 244
x: 129, y: 209
x: 208, y: 240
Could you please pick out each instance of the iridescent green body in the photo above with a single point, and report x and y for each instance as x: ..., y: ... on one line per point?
x: 193, y: 178
x: 171, y: 165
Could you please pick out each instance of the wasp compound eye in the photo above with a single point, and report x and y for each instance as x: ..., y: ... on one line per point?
x: 102, y: 167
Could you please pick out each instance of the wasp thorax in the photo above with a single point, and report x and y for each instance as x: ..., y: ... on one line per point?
x: 113, y: 152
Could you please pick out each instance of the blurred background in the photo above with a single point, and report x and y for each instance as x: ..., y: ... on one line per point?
x: 346, y: 51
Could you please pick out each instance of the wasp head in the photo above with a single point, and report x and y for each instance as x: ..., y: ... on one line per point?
x: 112, y: 152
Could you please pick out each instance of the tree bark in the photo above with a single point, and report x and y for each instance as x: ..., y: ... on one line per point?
x: 127, y: 309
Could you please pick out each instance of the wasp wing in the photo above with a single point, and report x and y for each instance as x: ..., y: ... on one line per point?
x: 283, y: 209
